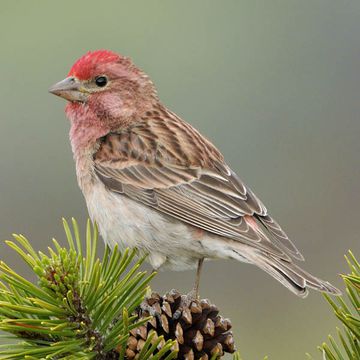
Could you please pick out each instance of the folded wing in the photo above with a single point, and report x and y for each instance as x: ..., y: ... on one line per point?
x: 183, y: 176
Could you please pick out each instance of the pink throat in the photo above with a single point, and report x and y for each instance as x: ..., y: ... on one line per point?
x: 86, y: 127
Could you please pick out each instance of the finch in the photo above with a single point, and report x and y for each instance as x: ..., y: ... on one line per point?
x: 151, y: 181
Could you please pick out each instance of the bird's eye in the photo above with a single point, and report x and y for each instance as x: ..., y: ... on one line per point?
x: 101, y: 81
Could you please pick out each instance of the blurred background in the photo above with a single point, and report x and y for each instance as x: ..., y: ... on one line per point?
x: 275, y: 85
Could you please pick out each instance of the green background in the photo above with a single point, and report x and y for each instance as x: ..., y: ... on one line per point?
x: 275, y: 85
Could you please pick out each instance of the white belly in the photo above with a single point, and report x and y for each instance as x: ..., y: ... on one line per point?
x: 122, y: 221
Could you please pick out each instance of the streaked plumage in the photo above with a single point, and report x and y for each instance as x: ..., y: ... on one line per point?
x: 152, y: 181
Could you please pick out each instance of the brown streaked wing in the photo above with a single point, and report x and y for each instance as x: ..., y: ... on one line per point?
x: 209, y: 197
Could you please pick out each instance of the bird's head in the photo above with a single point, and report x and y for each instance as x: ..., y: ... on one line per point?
x: 108, y: 83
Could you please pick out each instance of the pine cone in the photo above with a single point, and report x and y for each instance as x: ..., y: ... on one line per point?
x: 197, y: 327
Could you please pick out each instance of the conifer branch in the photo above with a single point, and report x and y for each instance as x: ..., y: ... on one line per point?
x: 79, y: 308
x: 347, y: 310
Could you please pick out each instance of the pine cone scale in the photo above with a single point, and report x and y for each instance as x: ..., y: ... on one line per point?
x: 209, y: 328
x: 179, y: 334
x: 198, y: 341
x: 197, y: 327
x: 166, y: 308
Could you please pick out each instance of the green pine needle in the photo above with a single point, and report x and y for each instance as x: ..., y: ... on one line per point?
x: 348, y: 346
x: 80, y: 306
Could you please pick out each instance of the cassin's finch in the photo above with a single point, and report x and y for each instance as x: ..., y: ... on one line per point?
x: 152, y: 181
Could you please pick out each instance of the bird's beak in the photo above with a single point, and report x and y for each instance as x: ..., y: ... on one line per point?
x: 70, y: 89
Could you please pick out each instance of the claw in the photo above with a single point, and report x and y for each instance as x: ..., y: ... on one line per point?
x: 185, y: 304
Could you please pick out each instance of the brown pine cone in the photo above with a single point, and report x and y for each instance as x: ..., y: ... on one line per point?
x: 196, y: 325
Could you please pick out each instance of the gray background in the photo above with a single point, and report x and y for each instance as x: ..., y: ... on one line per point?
x: 275, y: 85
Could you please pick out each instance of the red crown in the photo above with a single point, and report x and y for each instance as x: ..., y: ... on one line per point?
x: 84, y: 67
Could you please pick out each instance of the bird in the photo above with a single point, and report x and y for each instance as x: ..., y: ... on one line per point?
x: 152, y: 182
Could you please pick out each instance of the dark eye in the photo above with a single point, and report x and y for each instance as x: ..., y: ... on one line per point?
x: 101, y: 81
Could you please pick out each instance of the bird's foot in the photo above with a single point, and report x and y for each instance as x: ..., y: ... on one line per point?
x: 184, y: 304
x: 186, y: 301
x: 151, y: 306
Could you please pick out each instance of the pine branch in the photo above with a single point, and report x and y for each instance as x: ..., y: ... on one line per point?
x: 348, y: 346
x: 80, y: 307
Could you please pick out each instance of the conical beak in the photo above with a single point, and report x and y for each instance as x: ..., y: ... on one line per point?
x: 70, y: 89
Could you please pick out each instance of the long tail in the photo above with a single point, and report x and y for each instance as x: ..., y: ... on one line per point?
x: 287, y: 273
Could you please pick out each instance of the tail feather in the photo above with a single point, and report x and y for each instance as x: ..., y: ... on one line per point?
x: 288, y: 274
x: 310, y: 280
x: 290, y: 280
x: 280, y: 237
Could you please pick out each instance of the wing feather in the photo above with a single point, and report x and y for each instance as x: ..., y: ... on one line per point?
x: 185, y: 177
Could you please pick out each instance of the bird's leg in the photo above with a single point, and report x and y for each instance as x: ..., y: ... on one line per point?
x: 193, y: 295
x: 186, y: 300
x: 197, y: 278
